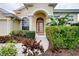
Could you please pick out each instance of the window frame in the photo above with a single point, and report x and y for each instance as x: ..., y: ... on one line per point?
x: 25, y: 23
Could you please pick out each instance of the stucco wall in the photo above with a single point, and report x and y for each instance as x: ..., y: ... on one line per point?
x: 15, y: 25
x: 40, y: 6
x: 3, y: 27
x: 37, y: 7
x: 7, y: 25
x: 34, y: 8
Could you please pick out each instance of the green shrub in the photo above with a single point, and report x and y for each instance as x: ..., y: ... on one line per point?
x: 8, y: 50
x: 63, y: 36
x: 30, y: 34
x: 11, y: 41
x: 23, y: 33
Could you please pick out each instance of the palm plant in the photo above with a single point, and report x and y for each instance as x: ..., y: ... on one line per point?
x: 60, y: 21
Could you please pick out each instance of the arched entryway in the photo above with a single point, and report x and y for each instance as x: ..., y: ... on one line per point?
x: 40, y: 26
x: 40, y: 18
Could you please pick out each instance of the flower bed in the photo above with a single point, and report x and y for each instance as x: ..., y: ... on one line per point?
x: 4, y: 39
x: 31, y: 47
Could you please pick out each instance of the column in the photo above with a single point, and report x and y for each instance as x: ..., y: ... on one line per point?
x: 30, y: 22
x: 21, y: 24
x: 8, y: 26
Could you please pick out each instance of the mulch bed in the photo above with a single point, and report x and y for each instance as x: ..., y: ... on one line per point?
x: 19, y: 39
x: 50, y: 52
x: 61, y: 52
x: 31, y: 46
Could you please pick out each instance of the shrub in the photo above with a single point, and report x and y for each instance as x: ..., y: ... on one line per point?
x: 11, y: 41
x: 63, y: 36
x: 23, y: 33
x: 30, y: 34
x: 8, y: 50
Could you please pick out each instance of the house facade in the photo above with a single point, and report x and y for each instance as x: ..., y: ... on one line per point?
x: 35, y: 16
x: 32, y: 17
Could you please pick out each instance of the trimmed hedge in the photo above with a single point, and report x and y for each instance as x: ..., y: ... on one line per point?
x: 24, y: 33
x: 63, y: 36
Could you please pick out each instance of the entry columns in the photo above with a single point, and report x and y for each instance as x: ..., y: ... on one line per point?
x: 30, y: 22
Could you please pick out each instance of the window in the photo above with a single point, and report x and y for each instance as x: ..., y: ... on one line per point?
x: 25, y: 23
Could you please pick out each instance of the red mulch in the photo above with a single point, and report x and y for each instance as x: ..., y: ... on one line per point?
x: 49, y: 52
x: 61, y: 52
x: 55, y: 52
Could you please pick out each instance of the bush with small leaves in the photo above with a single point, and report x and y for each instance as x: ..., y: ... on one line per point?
x: 63, y: 36
x: 8, y: 50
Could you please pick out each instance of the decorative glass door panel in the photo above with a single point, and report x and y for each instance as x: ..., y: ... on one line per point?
x: 40, y: 26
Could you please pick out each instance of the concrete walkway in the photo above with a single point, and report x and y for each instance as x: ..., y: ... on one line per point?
x: 44, y: 40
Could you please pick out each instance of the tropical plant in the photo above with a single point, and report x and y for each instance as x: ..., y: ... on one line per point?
x: 60, y: 21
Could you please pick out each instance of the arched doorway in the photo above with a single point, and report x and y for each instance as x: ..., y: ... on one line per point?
x: 40, y: 26
x: 40, y: 18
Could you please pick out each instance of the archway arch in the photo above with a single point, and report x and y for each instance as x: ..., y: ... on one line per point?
x: 39, y: 21
x: 40, y: 9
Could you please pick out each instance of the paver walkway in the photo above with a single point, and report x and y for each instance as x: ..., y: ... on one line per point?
x: 44, y: 40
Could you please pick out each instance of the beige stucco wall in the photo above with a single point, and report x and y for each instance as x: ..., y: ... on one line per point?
x: 3, y: 27
x: 30, y: 11
x: 6, y: 25
x: 22, y: 13
x: 34, y: 8
x: 15, y: 25
x: 40, y: 6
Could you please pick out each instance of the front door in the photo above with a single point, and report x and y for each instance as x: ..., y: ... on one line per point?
x: 40, y: 26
